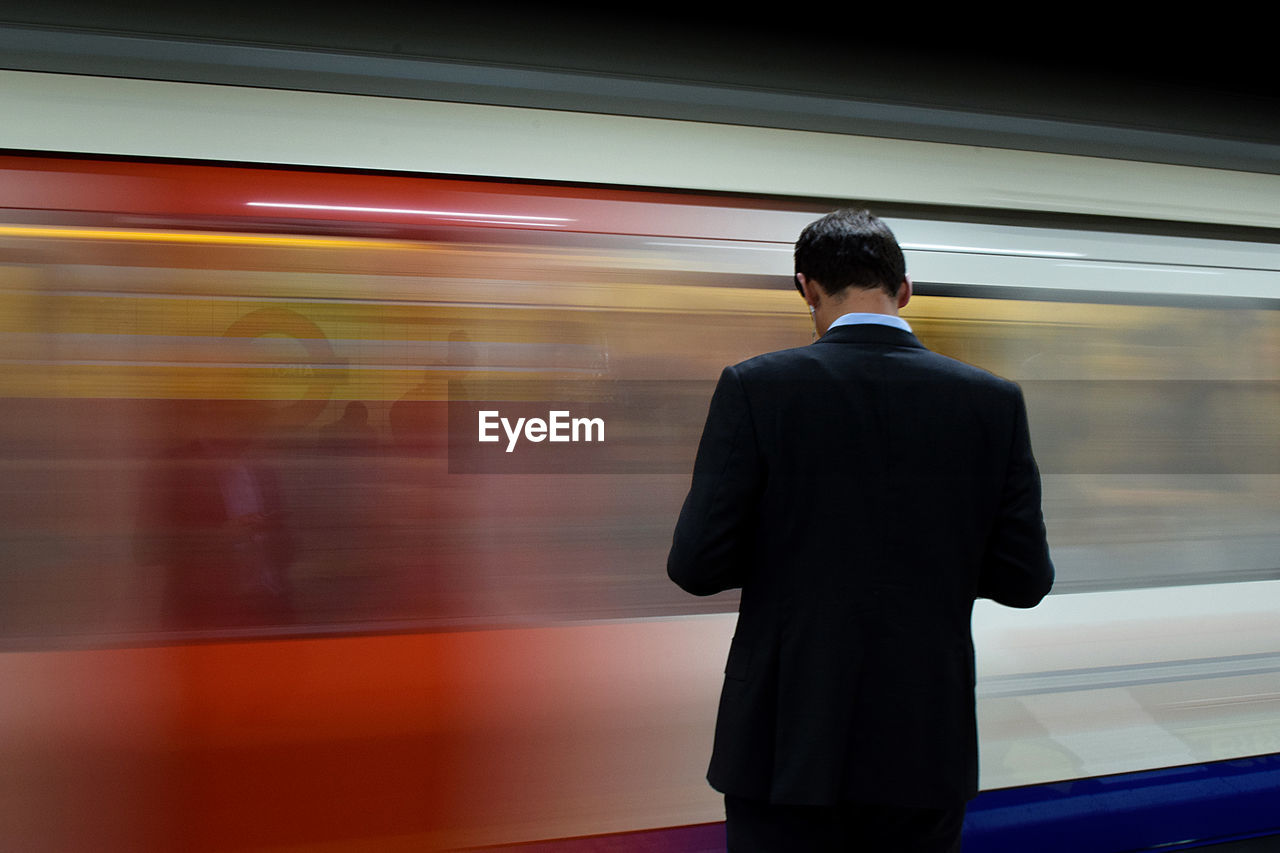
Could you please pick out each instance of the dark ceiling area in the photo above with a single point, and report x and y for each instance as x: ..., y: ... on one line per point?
x: 1066, y: 84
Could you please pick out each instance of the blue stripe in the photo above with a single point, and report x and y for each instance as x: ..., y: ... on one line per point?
x: 1178, y: 808
x: 1172, y: 809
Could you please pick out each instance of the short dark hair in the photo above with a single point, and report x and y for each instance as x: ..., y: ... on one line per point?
x: 850, y: 248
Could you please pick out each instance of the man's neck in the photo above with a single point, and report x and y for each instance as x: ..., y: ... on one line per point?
x: 874, y: 301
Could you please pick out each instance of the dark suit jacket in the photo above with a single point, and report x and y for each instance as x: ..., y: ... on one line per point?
x: 862, y: 491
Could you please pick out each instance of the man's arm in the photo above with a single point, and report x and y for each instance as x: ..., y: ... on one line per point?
x: 710, y: 551
x: 1016, y: 570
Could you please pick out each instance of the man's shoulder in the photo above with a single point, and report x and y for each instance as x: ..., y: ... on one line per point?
x: 963, y: 371
x: 768, y: 362
x: 917, y: 362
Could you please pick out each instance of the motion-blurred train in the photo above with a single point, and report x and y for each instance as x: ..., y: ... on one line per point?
x: 261, y: 587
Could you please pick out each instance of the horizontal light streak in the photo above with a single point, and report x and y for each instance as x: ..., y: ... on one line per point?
x: 521, y: 218
x: 423, y: 304
x: 1130, y: 675
x: 725, y: 245
x: 1218, y: 701
x: 190, y: 237
x: 79, y: 347
x: 300, y: 365
x: 980, y: 250
x: 1140, y: 268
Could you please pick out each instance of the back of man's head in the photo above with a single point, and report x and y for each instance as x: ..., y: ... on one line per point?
x: 850, y: 248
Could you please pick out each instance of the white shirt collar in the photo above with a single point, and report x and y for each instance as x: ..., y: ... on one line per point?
x: 876, y: 319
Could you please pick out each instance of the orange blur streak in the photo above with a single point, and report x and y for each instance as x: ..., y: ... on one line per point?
x: 193, y: 237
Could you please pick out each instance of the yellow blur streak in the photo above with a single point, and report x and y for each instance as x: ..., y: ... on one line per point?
x: 198, y: 237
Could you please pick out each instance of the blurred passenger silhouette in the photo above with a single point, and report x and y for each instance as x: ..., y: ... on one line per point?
x: 352, y: 433
x: 213, y: 521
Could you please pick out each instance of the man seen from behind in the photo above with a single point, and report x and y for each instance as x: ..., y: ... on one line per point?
x: 862, y: 491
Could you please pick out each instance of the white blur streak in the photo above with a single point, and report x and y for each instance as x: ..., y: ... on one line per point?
x: 981, y: 250
x: 1123, y: 627
x: 1126, y: 680
x: 725, y: 246
x: 450, y: 214
x: 1136, y: 268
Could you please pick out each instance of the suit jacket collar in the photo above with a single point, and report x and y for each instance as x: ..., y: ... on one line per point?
x: 870, y: 333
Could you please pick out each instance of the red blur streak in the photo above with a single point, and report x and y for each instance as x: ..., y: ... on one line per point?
x: 224, y: 192
x: 384, y: 743
x: 238, y: 746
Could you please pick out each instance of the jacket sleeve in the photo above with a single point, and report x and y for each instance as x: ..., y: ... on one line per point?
x: 1016, y: 569
x: 710, y: 550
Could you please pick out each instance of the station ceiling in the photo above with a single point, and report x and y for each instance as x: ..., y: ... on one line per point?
x: 1063, y: 83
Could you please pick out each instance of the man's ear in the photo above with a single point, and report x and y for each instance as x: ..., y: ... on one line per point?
x: 809, y: 290
x: 904, y: 292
